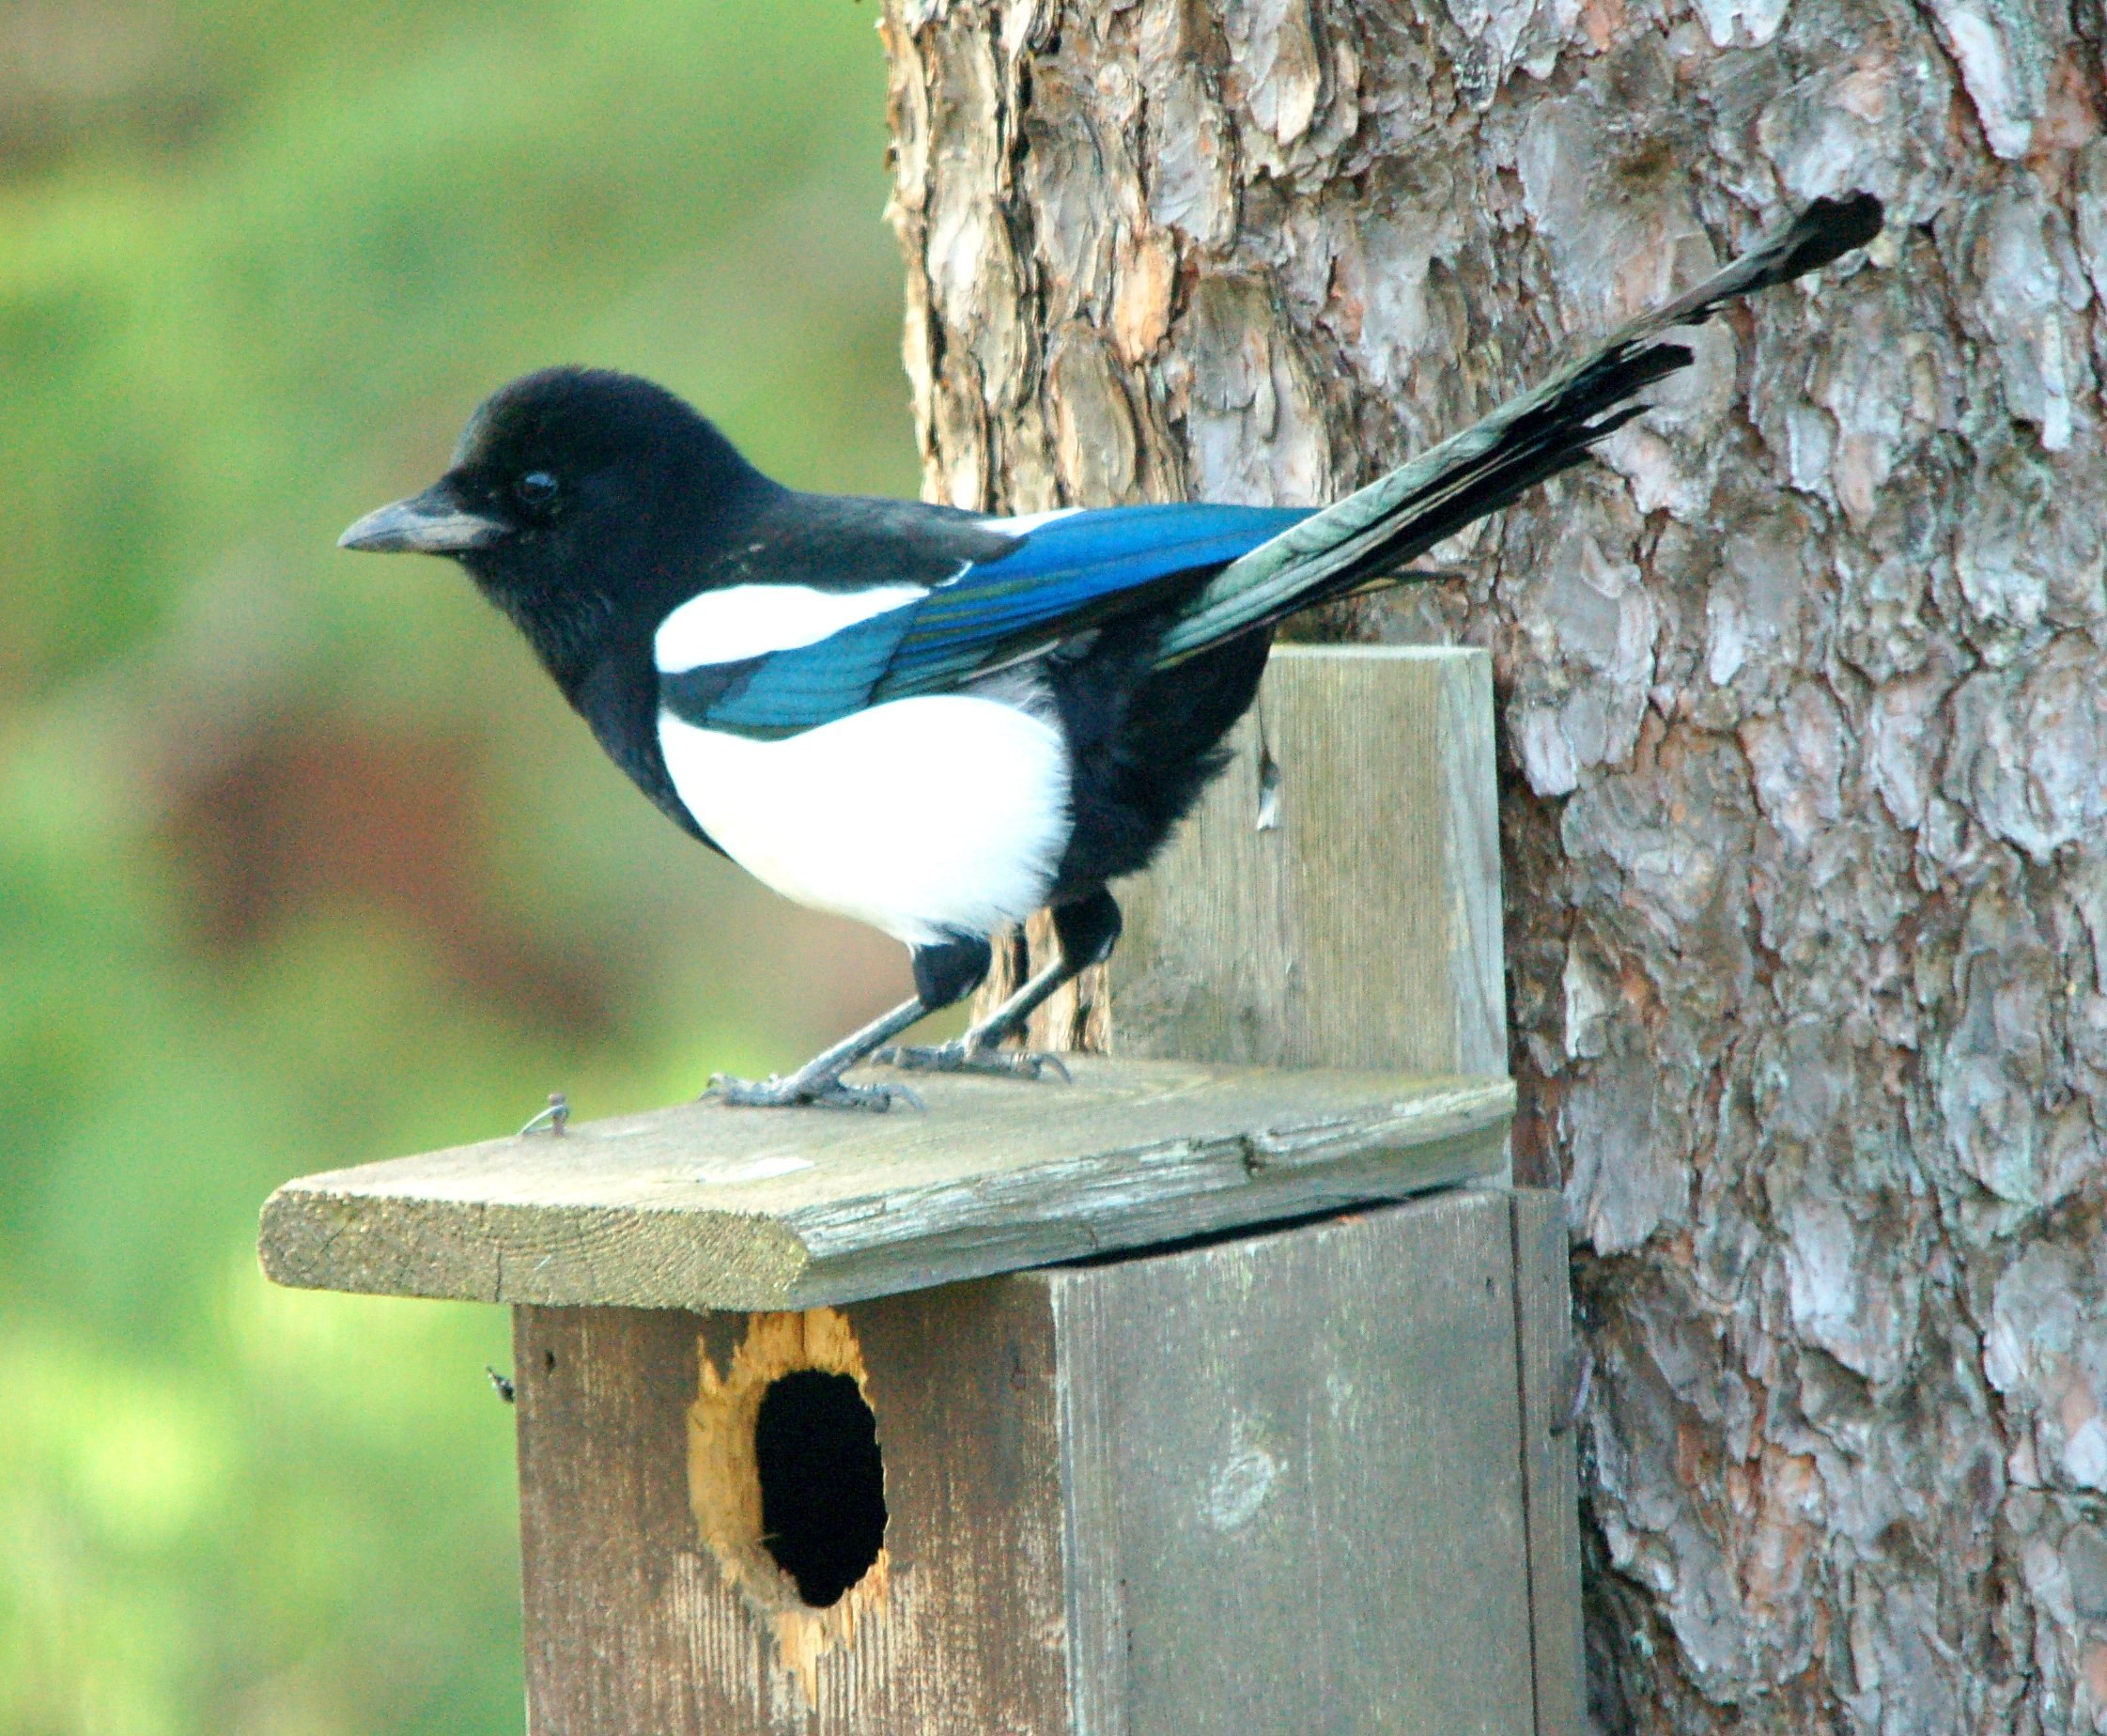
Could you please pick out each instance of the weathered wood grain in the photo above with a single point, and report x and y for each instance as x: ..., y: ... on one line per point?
x: 1266, y: 1484
x: 1335, y: 899
x: 702, y: 1207
x: 1296, y: 1501
x: 634, y: 1629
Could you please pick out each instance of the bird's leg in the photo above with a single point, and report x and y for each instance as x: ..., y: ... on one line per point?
x: 943, y: 973
x: 1087, y: 931
x: 980, y: 1050
x: 819, y: 1081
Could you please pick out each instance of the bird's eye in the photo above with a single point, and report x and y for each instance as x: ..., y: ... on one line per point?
x: 535, y: 488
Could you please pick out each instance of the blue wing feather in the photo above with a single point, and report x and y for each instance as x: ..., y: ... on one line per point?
x: 1062, y: 577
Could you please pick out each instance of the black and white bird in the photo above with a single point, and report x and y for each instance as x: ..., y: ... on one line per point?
x: 939, y: 722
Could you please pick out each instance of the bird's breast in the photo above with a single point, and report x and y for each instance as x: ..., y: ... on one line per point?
x: 924, y: 817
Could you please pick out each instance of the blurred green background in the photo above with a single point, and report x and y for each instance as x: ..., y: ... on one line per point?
x: 301, y: 862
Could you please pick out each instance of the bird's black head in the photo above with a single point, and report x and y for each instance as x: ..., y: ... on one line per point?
x: 577, y: 500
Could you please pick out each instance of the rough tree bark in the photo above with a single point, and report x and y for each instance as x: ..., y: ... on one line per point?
x: 1806, y: 748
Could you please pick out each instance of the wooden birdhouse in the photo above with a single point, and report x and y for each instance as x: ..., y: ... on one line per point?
x: 1223, y: 1389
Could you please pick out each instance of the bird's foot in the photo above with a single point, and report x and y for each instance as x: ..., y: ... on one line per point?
x: 958, y: 1056
x: 825, y: 1092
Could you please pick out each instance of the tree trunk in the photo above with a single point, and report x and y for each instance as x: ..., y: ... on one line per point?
x: 1804, y: 744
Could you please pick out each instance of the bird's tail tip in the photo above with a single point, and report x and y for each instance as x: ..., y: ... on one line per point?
x: 1825, y: 230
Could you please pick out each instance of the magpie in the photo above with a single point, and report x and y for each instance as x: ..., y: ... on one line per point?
x: 935, y: 720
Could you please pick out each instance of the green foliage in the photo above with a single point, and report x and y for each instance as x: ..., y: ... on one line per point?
x: 299, y: 863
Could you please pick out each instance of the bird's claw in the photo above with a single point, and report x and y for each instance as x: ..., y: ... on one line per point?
x: 957, y: 1057
x: 775, y: 1093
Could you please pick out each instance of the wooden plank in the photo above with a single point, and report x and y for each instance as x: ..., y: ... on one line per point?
x: 1543, y: 1312
x: 703, y: 1206
x: 1293, y: 1498
x: 1263, y: 1484
x: 1335, y: 899
x: 634, y: 1628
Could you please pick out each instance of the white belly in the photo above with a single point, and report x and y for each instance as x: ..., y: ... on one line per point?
x: 922, y: 817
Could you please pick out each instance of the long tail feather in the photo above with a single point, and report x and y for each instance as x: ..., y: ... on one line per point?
x: 1477, y: 471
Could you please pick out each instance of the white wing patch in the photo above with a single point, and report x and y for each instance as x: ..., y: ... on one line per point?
x: 940, y: 815
x: 752, y: 620
x: 1025, y: 523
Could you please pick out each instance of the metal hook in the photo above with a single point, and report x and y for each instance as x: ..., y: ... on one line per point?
x: 554, y: 1117
x: 1580, y: 1374
x: 1270, y: 777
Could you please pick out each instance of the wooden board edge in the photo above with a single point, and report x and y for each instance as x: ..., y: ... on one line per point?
x: 1545, y: 1351
x: 1376, y: 1178
x: 1096, y: 1588
x: 1470, y: 849
x: 316, y: 1238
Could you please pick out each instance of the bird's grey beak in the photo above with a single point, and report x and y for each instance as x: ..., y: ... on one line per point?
x: 427, y: 523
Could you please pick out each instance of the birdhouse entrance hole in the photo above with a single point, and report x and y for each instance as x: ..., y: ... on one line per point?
x: 787, y: 1483
x: 816, y: 1447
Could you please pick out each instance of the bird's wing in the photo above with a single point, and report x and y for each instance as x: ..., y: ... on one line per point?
x: 911, y: 601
